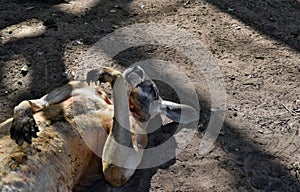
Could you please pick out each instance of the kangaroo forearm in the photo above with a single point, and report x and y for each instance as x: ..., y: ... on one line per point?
x: 56, y: 96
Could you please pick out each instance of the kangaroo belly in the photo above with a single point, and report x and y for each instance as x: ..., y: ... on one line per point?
x: 54, y: 162
x: 70, y: 133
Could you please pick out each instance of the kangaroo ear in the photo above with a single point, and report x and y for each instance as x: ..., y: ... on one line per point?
x: 179, y: 113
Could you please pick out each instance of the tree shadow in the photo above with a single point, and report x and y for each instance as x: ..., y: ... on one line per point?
x: 44, y: 53
x: 257, y: 168
x: 278, y: 19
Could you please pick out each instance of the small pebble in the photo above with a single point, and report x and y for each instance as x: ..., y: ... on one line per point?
x: 64, y: 73
x: 79, y: 42
x: 238, y: 27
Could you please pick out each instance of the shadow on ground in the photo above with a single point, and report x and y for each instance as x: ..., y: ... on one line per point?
x: 253, y: 166
x: 44, y: 53
x: 278, y: 19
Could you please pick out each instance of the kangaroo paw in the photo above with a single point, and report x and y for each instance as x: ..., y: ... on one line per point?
x: 23, y: 126
x: 103, y: 75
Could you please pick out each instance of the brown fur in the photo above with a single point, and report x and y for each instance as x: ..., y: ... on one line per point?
x: 56, y: 159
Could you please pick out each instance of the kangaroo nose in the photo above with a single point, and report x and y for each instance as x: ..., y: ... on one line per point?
x: 116, y: 176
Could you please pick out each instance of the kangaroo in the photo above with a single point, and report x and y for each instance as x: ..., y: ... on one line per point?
x: 50, y: 141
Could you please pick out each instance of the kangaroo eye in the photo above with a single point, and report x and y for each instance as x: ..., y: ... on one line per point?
x: 145, y: 98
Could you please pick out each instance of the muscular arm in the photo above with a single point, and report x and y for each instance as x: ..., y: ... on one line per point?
x: 23, y: 125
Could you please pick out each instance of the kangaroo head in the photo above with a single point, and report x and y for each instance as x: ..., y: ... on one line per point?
x: 144, y: 99
x: 145, y: 102
x: 135, y: 94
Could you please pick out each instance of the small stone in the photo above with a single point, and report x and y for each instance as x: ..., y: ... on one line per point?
x: 79, y: 42
x: 115, y: 26
x: 260, y: 131
x: 259, y: 57
x: 24, y: 68
x: 238, y: 27
x: 232, y: 78
x: 64, y: 73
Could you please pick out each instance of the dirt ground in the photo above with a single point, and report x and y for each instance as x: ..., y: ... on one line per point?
x: 256, y: 44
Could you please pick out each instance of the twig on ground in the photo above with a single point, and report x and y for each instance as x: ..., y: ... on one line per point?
x: 292, y: 112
